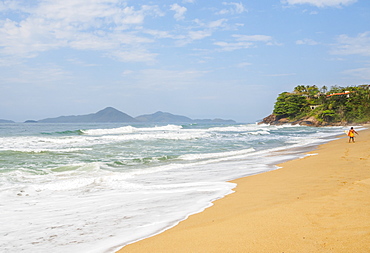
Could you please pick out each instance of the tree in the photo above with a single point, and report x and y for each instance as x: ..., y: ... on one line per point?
x: 290, y: 105
x: 300, y: 89
x: 324, y: 89
x: 351, y: 104
x: 312, y: 91
x: 328, y: 115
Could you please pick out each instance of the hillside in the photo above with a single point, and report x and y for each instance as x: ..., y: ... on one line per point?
x: 313, y: 106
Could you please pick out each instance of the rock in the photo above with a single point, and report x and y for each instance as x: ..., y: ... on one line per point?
x: 310, y: 121
x: 269, y: 119
x: 274, y: 120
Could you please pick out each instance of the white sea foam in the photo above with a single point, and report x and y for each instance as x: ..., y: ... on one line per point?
x: 127, y: 182
x: 130, y: 129
x: 120, y: 130
x: 216, y: 155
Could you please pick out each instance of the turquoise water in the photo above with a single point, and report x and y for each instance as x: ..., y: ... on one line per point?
x: 97, y: 187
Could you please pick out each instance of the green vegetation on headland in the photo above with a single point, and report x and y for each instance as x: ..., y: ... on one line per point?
x: 313, y: 106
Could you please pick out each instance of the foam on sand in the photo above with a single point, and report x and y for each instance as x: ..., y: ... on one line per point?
x: 320, y: 203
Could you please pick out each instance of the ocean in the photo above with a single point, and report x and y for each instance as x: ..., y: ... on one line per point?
x: 97, y: 187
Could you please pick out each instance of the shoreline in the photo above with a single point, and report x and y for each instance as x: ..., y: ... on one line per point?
x: 319, y: 203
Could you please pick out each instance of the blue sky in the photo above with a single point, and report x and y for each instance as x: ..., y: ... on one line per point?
x: 201, y: 59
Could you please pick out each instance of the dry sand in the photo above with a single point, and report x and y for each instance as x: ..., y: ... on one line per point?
x: 320, y: 203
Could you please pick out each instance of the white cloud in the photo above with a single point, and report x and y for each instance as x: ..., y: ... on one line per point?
x: 231, y: 46
x: 282, y: 75
x: 127, y: 72
x: 217, y: 23
x: 263, y: 38
x: 110, y: 27
x: 235, y: 8
x: 361, y: 73
x: 309, y: 42
x: 189, y: 34
x: 359, y: 45
x: 198, y: 35
x: 101, y: 25
x: 41, y: 76
x: 200, y: 31
x: 81, y: 63
x: 207, y: 98
x: 245, y: 41
x: 87, y: 41
x: 179, y: 11
x: 321, y: 3
x: 243, y: 64
x: 168, y: 79
x: 21, y: 5
x: 212, y: 24
x: 239, y: 7
x: 133, y: 55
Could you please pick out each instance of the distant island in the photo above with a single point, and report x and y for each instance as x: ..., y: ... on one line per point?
x: 313, y: 106
x: 108, y: 115
x: 6, y: 121
x: 112, y: 115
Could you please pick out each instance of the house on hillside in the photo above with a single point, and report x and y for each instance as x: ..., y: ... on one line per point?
x: 340, y: 94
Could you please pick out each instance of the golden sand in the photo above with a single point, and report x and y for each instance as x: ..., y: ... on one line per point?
x: 320, y: 203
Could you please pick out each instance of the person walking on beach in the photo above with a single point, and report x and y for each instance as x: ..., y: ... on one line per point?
x: 351, y: 134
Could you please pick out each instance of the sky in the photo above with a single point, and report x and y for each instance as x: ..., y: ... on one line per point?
x: 197, y: 58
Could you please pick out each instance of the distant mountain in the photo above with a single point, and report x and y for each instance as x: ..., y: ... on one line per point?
x: 6, y: 121
x: 163, y: 117
x: 112, y: 115
x: 215, y: 121
x: 108, y: 115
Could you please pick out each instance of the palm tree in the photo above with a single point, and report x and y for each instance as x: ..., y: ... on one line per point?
x: 324, y: 89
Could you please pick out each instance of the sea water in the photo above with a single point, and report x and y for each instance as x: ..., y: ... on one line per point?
x: 97, y: 187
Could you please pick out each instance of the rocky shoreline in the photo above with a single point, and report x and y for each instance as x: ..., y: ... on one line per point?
x: 308, y: 121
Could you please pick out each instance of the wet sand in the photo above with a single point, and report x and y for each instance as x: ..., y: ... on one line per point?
x: 320, y: 203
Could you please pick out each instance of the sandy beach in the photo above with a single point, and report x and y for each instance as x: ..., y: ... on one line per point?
x: 320, y: 203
